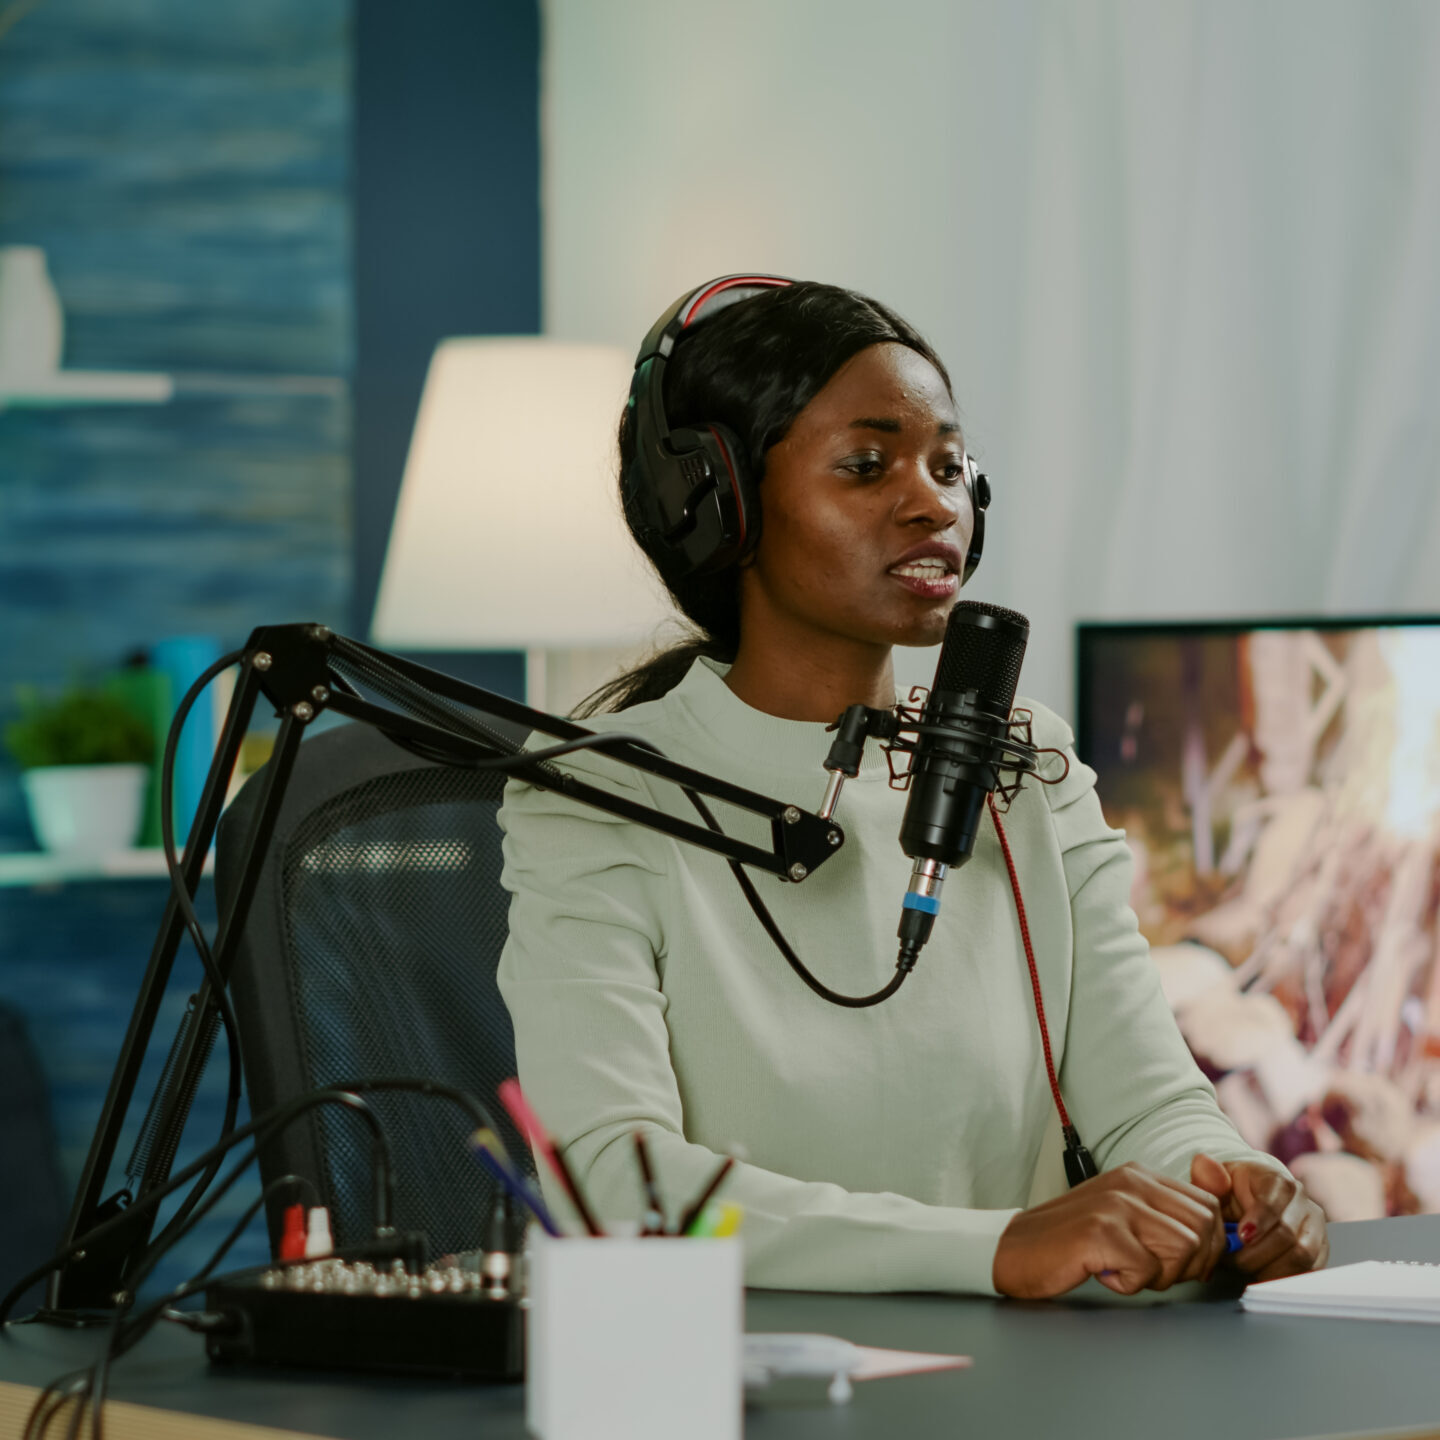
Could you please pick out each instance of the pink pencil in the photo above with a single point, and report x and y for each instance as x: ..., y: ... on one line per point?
x: 528, y: 1124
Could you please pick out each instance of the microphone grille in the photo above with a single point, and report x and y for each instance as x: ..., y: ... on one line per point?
x: 984, y: 645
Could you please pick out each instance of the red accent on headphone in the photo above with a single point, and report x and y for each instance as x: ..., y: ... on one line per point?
x: 734, y: 487
x: 692, y: 312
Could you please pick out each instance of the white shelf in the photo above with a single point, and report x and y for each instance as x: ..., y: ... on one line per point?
x: 139, y: 387
x: 39, y: 867
x: 87, y: 387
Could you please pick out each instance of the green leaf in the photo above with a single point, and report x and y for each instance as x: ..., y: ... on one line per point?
x: 84, y: 726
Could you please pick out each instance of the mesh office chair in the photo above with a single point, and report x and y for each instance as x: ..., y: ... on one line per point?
x: 371, y: 950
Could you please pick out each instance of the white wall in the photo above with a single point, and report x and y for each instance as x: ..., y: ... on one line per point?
x: 1183, y: 260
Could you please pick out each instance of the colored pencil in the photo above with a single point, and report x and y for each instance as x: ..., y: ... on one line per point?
x: 528, y: 1124
x: 654, y: 1212
x: 482, y: 1144
x: 692, y: 1212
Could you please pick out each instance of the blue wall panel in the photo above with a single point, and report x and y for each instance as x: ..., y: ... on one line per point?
x: 186, y: 167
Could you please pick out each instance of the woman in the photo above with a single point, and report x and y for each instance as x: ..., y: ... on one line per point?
x: 890, y: 1148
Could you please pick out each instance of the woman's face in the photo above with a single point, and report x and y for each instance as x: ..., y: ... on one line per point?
x: 865, y: 514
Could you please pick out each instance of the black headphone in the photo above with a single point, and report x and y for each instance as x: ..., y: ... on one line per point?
x: 687, y: 493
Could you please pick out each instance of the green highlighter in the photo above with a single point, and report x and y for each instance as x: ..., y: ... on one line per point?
x: 715, y: 1222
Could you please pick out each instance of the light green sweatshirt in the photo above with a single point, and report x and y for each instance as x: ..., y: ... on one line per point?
x: 887, y: 1147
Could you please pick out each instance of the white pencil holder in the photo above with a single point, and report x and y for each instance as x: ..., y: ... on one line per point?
x: 635, y: 1339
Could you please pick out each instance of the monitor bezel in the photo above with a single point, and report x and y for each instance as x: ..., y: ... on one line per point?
x: 1086, y: 631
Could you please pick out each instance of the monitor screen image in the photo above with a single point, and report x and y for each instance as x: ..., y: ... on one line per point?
x: 1279, y: 786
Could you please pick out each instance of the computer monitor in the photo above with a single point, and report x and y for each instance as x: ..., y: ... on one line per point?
x: 1279, y: 784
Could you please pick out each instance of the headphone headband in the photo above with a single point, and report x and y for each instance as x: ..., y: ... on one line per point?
x: 700, y: 304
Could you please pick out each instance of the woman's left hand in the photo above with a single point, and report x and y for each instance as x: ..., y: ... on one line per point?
x: 1282, y: 1230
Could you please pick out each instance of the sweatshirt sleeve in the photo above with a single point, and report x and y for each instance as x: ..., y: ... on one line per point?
x: 581, y: 974
x: 1128, y: 1078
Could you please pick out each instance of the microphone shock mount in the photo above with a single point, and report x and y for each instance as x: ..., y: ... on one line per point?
x: 975, y: 735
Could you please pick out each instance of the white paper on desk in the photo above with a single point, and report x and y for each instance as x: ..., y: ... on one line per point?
x: 1371, y: 1290
x: 1348, y: 1312
x: 882, y: 1364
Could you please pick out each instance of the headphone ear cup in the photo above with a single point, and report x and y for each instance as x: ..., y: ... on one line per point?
x: 636, y: 491
x: 737, y: 495
x: 978, y: 485
x: 720, y: 511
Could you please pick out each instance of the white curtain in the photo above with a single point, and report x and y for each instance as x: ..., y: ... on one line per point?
x: 1183, y: 260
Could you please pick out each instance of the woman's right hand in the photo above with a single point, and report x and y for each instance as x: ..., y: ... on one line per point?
x: 1130, y: 1228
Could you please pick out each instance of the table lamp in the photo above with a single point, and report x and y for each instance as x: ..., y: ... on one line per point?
x: 508, y: 533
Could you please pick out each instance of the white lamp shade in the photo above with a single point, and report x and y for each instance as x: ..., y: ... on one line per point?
x: 508, y: 534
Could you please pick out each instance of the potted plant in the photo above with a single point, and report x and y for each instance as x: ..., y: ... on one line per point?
x: 85, y: 759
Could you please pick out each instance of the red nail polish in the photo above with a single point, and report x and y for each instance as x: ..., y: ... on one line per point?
x: 1247, y: 1232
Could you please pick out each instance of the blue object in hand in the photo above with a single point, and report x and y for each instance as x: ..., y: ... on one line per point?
x: 1233, y: 1242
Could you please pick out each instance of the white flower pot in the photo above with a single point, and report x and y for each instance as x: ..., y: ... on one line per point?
x: 86, y: 809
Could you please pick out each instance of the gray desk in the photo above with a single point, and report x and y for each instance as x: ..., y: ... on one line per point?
x: 1076, y: 1369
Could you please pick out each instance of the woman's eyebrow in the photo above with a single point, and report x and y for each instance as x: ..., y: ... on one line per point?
x: 893, y: 427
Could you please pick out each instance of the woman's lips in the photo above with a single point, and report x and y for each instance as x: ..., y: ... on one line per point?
x: 934, y: 582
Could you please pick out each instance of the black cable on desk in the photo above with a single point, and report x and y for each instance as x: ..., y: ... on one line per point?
x: 279, y: 1115
x: 51, y: 1400
x: 124, y: 1335
x: 267, y: 1126
x: 471, y: 1104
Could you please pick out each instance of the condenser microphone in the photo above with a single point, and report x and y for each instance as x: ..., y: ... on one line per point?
x: 962, y: 744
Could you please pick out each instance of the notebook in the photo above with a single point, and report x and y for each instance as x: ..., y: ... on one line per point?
x: 1371, y: 1290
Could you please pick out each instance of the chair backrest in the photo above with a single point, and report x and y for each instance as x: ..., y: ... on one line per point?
x: 371, y: 949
